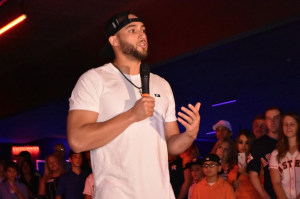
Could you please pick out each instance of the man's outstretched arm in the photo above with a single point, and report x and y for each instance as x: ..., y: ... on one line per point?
x: 178, y: 142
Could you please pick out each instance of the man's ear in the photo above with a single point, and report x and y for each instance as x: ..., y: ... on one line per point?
x: 113, y: 40
x: 230, y: 133
x: 70, y: 160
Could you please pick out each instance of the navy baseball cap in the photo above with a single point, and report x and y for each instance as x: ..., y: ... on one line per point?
x: 112, y: 26
x: 211, y: 157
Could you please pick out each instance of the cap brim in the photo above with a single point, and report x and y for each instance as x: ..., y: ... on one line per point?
x: 107, y: 51
x: 218, y: 125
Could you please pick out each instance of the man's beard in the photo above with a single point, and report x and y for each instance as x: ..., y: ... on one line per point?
x: 129, y: 49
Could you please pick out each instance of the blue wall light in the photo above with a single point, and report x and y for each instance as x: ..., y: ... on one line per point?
x: 222, y: 103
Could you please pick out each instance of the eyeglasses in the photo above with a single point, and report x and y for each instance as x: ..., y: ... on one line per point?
x: 209, y: 165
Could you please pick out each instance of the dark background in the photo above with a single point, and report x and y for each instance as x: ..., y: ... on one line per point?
x: 209, y: 51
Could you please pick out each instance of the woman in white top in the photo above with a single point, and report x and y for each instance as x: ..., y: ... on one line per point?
x: 285, y: 159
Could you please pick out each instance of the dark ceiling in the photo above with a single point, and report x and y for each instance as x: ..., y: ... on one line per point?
x: 198, y: 46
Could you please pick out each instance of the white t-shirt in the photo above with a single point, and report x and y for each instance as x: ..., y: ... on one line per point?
x: 191, y: 189
x: 289, y: 169
x: 134, y: 164
x: 89, y: 186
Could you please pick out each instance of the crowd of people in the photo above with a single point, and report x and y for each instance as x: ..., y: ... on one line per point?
x: 61, y: 178
x: 264, y: 163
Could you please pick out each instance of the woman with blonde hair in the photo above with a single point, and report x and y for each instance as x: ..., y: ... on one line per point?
x: 285, y: 159
x: 224, y: 149
x: 48, y: 184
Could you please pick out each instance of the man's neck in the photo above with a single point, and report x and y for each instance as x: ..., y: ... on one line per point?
x: 273, y: 135
x: 76, y: 170
x: 128, y: 66
x: 10, y: 181
x: 212, y: 179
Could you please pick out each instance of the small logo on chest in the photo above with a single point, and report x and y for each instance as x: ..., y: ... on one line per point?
x: 157, y: 95
x: 173, y: 167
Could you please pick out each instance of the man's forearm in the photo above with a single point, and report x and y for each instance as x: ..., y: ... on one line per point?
x: 95, y: 135
x: 179, y: 143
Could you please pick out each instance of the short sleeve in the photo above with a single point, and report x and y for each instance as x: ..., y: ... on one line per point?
x: 273, y: 160
x: 171, y: 115
x: 253, y: 160
x: 88, y: 186
x: 86, y: 93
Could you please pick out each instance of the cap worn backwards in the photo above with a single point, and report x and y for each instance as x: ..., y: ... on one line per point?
x: 114, y: 25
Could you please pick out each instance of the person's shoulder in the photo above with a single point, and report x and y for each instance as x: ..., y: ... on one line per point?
x: 158, y: 78
x: 66, y: 175
x: 274, y: 153
x: 2, y: 184
x: 20, y: 184
x: 96, y: 72
x: 261, y: 141
x: 224, y: 182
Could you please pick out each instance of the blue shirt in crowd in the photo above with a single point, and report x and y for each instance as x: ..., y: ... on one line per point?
x: 6, y: 194
x: 71, y: 185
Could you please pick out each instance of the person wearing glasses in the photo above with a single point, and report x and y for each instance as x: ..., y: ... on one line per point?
x: 212, y: 186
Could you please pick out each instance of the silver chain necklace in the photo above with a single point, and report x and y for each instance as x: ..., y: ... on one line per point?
x: 139, y: 88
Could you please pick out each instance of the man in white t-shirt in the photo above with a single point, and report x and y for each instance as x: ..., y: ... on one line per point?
x: 129, y: 136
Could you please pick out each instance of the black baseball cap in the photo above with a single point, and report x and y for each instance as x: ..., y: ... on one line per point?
x: 112, y: 26
x: 211, y: 157
x: 24, y: 154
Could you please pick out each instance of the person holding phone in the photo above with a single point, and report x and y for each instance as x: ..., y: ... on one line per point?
x: 238, y: 176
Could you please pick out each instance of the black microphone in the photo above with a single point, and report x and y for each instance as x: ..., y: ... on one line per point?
x: 145, y: 77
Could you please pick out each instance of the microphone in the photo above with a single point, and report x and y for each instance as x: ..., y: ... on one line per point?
x: 145, y: 77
